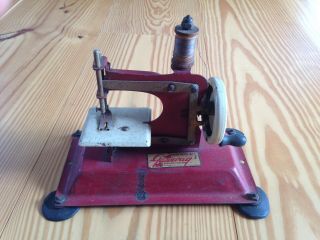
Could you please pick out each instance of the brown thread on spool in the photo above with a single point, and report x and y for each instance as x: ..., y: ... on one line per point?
x: 184, y: 46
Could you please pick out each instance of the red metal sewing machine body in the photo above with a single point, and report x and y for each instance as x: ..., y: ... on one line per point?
x: 185, y: 156
x: 173, y: 120
x: 220, y: 176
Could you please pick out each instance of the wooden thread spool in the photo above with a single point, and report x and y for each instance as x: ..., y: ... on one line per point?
x: 184, y: 46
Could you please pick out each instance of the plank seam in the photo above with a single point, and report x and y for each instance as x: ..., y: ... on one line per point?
x: 235, y: 225
x: 38, y: 157
x: 48, y: 137
x: 10, y: 9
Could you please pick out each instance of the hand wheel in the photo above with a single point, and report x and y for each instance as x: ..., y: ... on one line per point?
x: 216, y: 120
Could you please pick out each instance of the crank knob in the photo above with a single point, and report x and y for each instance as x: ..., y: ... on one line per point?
x: 234, y: 138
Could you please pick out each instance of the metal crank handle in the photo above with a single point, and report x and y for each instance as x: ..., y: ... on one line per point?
x: 234, y: 138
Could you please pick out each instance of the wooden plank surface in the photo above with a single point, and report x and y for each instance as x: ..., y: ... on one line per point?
x: 267, y: 52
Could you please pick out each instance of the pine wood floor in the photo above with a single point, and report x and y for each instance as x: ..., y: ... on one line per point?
x: 267, y: 52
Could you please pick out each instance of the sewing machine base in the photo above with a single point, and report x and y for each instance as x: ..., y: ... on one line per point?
x: 205, y: 174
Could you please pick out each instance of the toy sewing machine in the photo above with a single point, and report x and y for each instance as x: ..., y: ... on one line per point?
x: 185, y: 156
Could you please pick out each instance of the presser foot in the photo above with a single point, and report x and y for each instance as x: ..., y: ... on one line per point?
x: 258, y: 210
x: 56, y: 214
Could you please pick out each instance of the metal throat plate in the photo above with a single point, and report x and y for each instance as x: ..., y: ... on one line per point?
x: 129, y: 128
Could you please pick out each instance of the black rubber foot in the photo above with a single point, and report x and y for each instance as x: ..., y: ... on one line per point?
x: 258, y: 210
x: 53, y: 213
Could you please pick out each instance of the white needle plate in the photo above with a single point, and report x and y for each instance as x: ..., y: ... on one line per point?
x: 128, y: 130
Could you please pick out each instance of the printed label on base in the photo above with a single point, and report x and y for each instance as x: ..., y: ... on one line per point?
x: 169, y: 160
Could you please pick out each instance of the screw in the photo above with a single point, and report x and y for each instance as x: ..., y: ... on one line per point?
x: 124, y: 128
x: 252, y: 196
x: 171, y: 87
x: 164, y: 140
x: 76, y: 134
x: 59, y: 199
x: 141, y: 195
x: 194, y: 88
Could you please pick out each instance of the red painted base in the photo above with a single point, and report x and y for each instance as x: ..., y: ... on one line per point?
x: 91, y: 178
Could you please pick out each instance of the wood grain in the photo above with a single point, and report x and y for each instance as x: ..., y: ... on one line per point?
x: 34, y: 91
x: 268, y: 54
